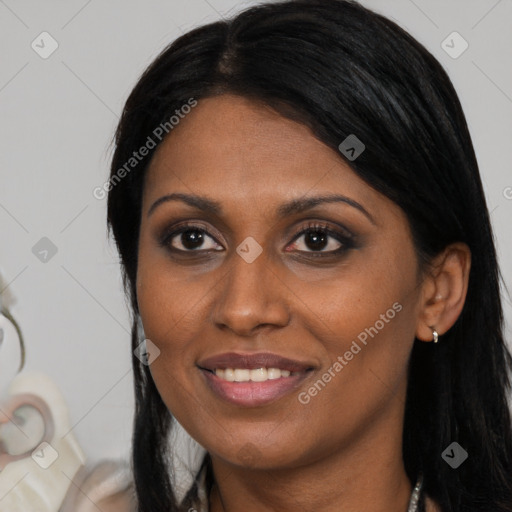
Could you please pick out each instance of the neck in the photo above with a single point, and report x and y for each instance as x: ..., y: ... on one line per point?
x: 367, y: 474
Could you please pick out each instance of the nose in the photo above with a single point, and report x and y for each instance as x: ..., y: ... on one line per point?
x: 252, y: 296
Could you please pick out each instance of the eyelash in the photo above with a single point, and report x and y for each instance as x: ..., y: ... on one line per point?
x: 345, y: 239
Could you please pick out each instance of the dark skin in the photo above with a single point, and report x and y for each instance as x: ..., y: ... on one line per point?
x: 341, y: 450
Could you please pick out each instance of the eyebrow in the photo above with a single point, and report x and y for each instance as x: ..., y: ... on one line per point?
x: 291, y: 207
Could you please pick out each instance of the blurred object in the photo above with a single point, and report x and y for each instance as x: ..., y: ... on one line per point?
x: 7, y: 322
x: 42, y: 466
x: 108, y: 486
x: 12, y: 346
x: 6, y: 297
x: 39, y: 455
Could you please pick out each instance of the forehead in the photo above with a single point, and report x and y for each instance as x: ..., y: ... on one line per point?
x: 234, y: 149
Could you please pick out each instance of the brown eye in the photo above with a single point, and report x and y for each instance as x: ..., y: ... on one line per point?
x: 190, y: 238
x: 318, y: 240
x: 323, y: 240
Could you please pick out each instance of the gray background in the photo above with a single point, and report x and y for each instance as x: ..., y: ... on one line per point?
x: 57, y: 120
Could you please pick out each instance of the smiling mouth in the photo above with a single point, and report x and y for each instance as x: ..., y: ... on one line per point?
x: 256, y: 387
x: 253, y: 379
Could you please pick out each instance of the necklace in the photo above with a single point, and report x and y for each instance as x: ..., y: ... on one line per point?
x: 415, y: 495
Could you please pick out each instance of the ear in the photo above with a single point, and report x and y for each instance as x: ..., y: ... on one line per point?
x: 444, y: 290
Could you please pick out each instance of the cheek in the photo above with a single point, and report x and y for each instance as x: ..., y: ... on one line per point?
x: 168, y: 300
x: 365, y: 368
x: 362, y: 301
x: 365, y: 322
x: 173, y: 312
x: 163, y: 313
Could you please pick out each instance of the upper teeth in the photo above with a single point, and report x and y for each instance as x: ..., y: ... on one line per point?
x: 256, y: 375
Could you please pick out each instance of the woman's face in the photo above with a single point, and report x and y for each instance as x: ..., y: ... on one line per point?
x: 258, y: 269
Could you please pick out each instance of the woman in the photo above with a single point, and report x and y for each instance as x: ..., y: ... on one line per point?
x: 307, y: 250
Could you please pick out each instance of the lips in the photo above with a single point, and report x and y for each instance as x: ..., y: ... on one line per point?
x: 252, y: 362
x: 288, y: 375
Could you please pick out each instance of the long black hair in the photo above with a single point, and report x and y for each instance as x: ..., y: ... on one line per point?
x: 342, y: 69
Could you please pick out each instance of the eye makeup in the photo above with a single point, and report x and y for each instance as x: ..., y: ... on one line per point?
x: 194, y: 235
